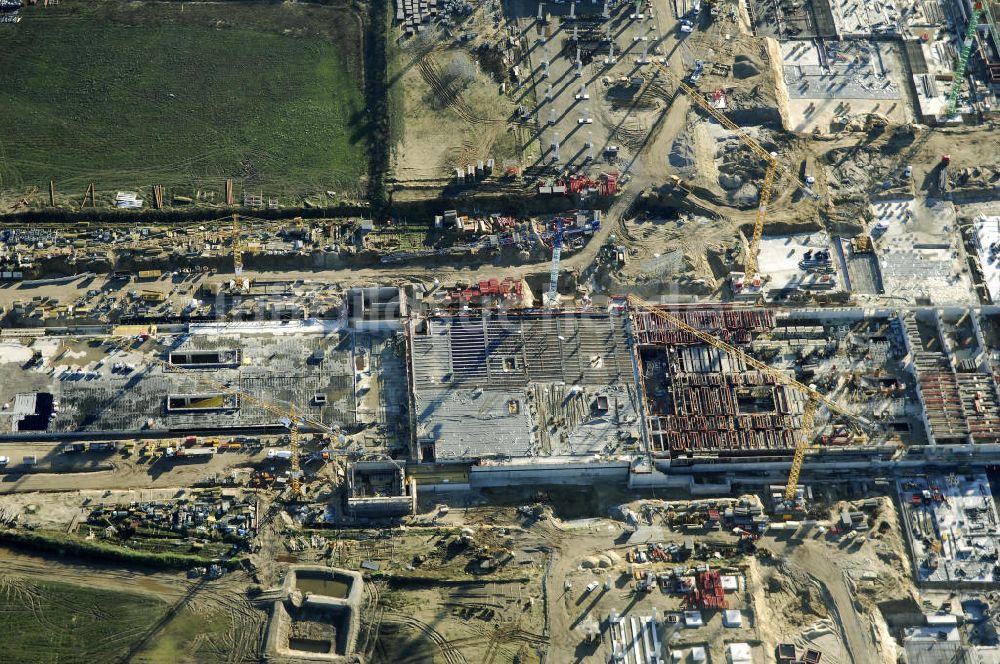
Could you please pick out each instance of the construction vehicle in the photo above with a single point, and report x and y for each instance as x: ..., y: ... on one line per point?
x: 750, y: 279
x: 813, y: 397
x: 679, y: 187
x: 290, y: 417
x: 862, y: 244
x: 963, y: 58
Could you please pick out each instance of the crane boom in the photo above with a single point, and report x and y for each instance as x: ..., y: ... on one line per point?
x: 773, y: 165
x: 293, y: 444
x: 747, y: 359
x: 801, y: 445
x: 721, y: 118
x: 963, y: 58
x: 813, y: 397
x: 758, y: 226
x: 556, y: 255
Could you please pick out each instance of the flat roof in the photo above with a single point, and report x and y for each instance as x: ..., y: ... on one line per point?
x: 522, y: 385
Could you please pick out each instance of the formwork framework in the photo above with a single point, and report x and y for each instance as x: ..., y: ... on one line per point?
x: 960, y: 399
x: 699, y: 401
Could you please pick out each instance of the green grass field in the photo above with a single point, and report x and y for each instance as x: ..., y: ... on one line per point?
x: 184, y: 95
x: 58, y: 623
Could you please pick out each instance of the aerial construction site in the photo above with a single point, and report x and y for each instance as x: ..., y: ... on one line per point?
x: 432, y: 331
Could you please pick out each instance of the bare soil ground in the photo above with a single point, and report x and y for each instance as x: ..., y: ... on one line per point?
x: 448, y: 123
x: 210, y: 621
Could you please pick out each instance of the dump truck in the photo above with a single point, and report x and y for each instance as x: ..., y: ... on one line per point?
x: 109, y: 446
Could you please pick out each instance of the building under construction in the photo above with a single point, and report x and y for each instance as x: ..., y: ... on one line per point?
x: 524, y: 385
x: 607, y: 387
x: 956, y: 374
x: 587, y: 393
x: 699, y: 400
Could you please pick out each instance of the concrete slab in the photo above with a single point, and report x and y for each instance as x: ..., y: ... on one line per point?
x: 920, y: 256
x: 781, y: 260
x: 842, y: 78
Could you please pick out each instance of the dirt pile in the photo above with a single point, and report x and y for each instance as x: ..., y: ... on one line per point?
x: 976, y: 177
x: 745, y: 67
x: 798, y: 597
x: 854, y: 169
x: 682, y: 154
x: 740, y: 171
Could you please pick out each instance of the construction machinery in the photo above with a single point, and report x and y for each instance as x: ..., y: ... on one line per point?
x: 289, y: 416
x: 813, y: 397
x: 752, y: 274
x: 963, y: 58
x: 528, y: 236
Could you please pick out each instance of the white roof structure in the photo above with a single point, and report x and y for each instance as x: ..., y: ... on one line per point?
x: 739, y: 653
x: 732, y: 618
x: 693, y: 619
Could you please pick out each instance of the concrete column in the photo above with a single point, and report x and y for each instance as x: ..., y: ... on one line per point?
x: 644, y: 59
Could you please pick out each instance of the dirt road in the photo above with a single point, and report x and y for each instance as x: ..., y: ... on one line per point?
x: 841, y: 603
x: 123, y: 473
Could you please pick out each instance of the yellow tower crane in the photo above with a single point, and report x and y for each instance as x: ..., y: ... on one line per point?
x: 813, y: 398
x: 773, y: 165
x: 288, y: 415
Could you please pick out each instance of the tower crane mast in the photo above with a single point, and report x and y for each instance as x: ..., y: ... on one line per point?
x: 770, y: 175
x: 963, y: 58
x: 813, y: 397
x: 557, y: 241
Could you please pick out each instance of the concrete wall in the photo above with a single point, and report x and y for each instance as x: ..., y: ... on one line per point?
x: 660, y: 480
x: 520, y: 474
x: 381, y: 507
